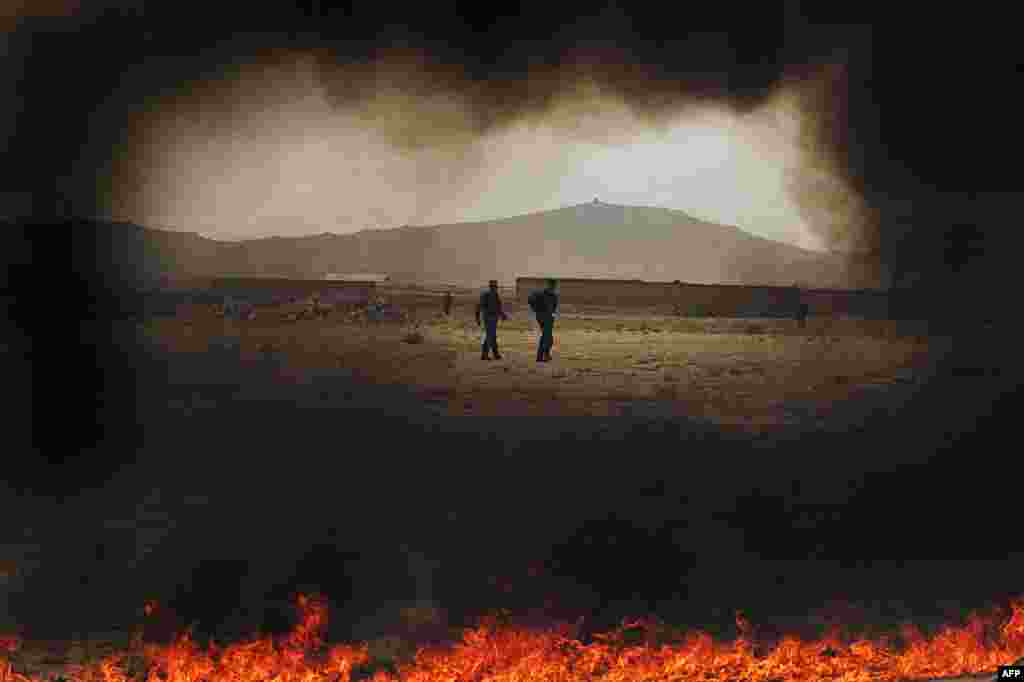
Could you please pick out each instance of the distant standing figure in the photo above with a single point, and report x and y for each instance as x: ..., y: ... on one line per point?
x: 447, y: 303
x: 379, y: 307
x: 238, y: 310
x: 544, y: 304
x: 490, y: 306
x: 801, y: 314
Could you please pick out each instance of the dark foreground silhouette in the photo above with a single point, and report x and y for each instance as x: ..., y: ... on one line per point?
x: 212, y: 487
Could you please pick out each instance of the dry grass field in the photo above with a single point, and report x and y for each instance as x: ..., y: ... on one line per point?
x: 749, y: 373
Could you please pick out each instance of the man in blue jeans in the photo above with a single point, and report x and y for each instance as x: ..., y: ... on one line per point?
x: 544, y: 304
x: 490, y: 306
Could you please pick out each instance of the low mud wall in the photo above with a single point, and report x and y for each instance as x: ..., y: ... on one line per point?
x: 718, y: 300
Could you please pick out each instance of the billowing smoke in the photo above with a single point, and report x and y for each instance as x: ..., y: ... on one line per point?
x: 268, y: 122
x: 832, y: 207
x: 296, y: 143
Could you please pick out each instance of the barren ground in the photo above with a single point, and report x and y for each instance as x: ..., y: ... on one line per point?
x: 752, y: 373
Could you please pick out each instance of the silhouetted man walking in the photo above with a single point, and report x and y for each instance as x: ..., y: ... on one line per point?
x: 447, y: 303
x: 544, y: 304
x: 490, y: 306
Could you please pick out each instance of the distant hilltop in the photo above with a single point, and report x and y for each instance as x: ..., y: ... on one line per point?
x: 589, y: 240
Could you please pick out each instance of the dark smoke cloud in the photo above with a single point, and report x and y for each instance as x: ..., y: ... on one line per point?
x: 654, y: 92
x: 905, y: 116
x: 828, y: 196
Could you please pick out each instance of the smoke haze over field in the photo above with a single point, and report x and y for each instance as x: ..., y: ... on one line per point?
x: 294, y: 146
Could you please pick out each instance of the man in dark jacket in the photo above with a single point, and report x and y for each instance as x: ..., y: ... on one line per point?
x: 544, y: 304
x: 490, y: 306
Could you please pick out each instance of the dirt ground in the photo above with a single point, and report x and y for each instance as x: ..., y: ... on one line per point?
x: 748, y: 373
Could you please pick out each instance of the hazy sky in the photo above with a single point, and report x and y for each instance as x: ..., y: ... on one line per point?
x: 273, y: 149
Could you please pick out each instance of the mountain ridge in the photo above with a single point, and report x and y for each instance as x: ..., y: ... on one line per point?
x: 592, y: 239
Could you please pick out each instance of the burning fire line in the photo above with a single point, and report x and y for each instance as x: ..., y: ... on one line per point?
x: 497, y: 652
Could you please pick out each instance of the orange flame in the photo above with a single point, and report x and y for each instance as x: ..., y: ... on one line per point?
x: 495, y: 651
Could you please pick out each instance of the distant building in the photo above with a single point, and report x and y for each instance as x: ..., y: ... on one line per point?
x: 359, y: 277
x: 721, y: 300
